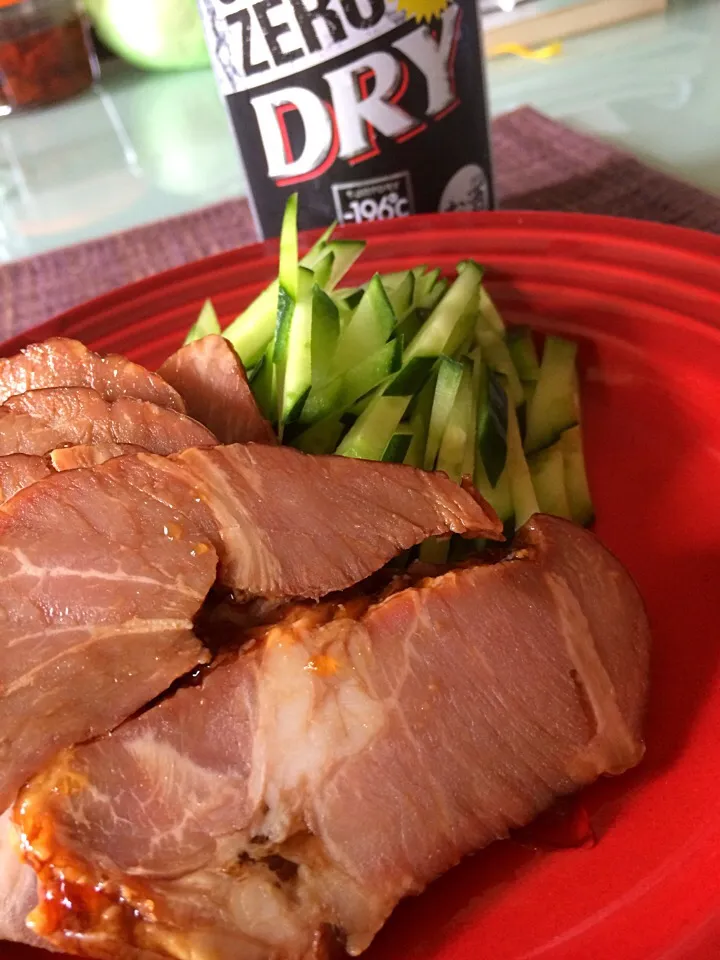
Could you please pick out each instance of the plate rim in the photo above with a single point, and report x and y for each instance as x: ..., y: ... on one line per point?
x: 696, y: 243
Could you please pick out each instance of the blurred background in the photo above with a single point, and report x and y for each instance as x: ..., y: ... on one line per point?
x: 110, y: 117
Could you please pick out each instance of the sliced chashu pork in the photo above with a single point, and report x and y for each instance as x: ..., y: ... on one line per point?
x: 294, y: 525
x: 97, y: 600
x: 19, y: 470
x: 38, y: 421
x: 344, y: 761
x: 60, y: 362
x: 90, y: 454
x: 18, y: 887
x: 210, y: 377
x: 103, y: 570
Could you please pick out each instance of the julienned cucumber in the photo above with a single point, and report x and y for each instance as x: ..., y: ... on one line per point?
x: 344, y: 254
x: 433, y: 336
x: 253, y: 329
x: 547, y: 469
x: 522, y: 490
x: 457, y: 436
x: 413, y: 367
x: 368, y: 438
x: 576, y: 482
x: 554, y: 405
x: 293, y: 348
x: 206, y: 324
x: 492, y: 421
x: 447, y: 384
x: 370, y: 326
x: 345, y: 389
x: 399, y: 444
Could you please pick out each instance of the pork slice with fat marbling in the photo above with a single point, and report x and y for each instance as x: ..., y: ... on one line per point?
x: 294, y: 525
x: 61, y: 362
x: 210, y: 377
x: 343, y: 761
x: 39, y: 421
x: 102, y: 570
x: 19, y: 470
x: 99, y: 584
x: 90, y: 454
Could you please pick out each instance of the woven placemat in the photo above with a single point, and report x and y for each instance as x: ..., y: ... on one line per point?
x: 540, y: 165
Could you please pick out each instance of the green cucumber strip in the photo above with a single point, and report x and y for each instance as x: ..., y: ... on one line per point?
x: 576, y: 482
x: 206, y: 324
x: 288, y: 269
x: 263, y: 386
x: 524, y: 355
x: 325, y: 333
x: 411, y: 323
x: 452, y: 455
x: 489, y: 314
x: 547, y: 469
x: 391, y: 281
x: 439, y: 327
x: 553, y: 408
x: 433, y: 297
x: 341, y: 393
x: 401, y: 296
x: 322, y: 402
x: 371, y: 432
x: 293, y: 350
x: 497, y: 356
x: 371, y: 372
x: 499, y: 497
x: 285, y: 308
x: 492, y: 423
x: 254, y: 371
x: 321, y: 438
x: 345, y: 253
x: 420, y: 411
x: 296, y: 381
x: 370, y: 326
x: 399, y: 444
x: 471, y: 449
x: 411, y: 377
x: 462, y: 338
x: 342, y: 293
x: 434, y: 550
x: 287, y: 299
x: 521, y: 486
x: 353, y: 299
x: 323, y: 269
x: 251, y: 332
x: 317, y: 250
x: 456, y: 436
x: 447, y: 382
x: 424, y: 283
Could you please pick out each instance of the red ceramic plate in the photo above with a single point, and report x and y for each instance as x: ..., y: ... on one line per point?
x: 644, y: 301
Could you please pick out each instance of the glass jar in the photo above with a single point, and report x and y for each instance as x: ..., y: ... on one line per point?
x: 46, y: 54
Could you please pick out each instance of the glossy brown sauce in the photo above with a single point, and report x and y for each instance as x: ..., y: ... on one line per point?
x: 73, y: 899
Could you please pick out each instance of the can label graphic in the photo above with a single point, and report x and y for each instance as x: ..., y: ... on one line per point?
x: 369, y: 109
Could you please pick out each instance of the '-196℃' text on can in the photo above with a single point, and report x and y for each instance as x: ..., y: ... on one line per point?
x: 368, y: 109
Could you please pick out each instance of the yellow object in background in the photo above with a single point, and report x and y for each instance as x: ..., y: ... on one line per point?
x: 532, y: 24
x: 547, y: 52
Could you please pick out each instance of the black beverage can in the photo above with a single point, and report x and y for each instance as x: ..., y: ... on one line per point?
x: 368, y: 109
